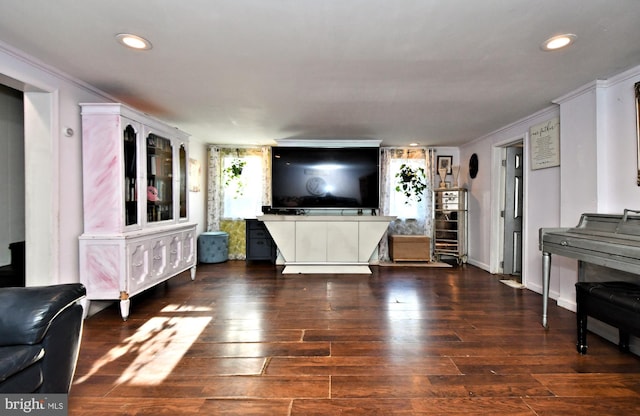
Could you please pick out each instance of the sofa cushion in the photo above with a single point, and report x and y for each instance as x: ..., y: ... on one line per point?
x: 22, y: 322
x: 15, y: 359
x: 27, y: 381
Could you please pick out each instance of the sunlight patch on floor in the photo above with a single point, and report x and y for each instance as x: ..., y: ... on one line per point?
x: 153, y: 339
x: 158, y: 345
x: 186, y: 308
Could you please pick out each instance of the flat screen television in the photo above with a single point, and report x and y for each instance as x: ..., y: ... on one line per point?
x: 325, y: 177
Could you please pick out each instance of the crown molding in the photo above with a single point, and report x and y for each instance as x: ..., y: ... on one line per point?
x: 329, y: 142
x: 39, y: 65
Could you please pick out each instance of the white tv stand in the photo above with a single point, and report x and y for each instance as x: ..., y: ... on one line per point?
x: 326, y: 243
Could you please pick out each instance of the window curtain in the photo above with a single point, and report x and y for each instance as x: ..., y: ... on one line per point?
x: 415, y: 219
x: 419, y: 224
x: 217, y: 218
x: 214, y: 188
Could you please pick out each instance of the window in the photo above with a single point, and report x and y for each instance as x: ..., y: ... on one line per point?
x: 397, y: 200
x: 242, y: 197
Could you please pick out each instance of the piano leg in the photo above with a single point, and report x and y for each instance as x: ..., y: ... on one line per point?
x: 581, y: 323
x: 546, y: 271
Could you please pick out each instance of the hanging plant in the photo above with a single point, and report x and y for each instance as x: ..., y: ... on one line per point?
x: 411, y: 182
x: 233, y: 174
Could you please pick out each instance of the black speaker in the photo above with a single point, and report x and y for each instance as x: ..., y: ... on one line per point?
x: 266, y: 209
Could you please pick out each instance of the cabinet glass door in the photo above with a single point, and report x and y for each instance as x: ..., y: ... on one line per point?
x: 159, y: 179
x: 183, y: 182
x: 130, y: 169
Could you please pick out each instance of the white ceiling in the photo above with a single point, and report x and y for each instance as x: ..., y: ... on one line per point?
x: 436, y: 72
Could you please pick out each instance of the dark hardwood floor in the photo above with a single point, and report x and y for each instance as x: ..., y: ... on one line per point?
x: 247, y: 340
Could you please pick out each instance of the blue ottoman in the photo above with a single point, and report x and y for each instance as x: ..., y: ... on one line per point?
x: 213, y: 247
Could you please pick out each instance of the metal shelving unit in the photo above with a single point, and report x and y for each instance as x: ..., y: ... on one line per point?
x: 450, y: 224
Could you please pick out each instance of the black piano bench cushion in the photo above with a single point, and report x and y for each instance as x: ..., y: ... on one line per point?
x: 614, y: 303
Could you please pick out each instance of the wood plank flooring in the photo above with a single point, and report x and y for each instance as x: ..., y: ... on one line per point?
x: 247, y: 340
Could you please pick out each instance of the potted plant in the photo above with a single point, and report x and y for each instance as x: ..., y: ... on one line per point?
x: 411, y: 182
x: 233, y: 173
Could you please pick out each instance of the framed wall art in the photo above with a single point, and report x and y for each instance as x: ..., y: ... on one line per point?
x: 545, y: 144
x: 445, y: 162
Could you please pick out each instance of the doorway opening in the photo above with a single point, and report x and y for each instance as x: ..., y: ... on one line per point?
x: 512, y: 212
x: 12, y: 189
x: 40, y: 174
x: 507, y: 210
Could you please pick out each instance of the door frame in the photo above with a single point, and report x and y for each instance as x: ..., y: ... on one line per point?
x: 514, y: 187
x: 498, y: 172
x: 41, y: 127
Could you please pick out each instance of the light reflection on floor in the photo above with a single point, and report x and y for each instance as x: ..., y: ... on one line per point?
x: 153, y: 339
x: 159, y: 345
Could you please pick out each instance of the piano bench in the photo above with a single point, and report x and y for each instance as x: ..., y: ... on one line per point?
x: 614, y: 303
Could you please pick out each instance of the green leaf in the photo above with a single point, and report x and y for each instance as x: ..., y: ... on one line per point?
x: 411, y: 182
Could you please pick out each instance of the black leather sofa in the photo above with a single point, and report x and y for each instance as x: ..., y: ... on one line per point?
x: 40, y: 331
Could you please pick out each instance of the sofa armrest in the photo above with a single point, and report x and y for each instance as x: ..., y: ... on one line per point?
x: 27, y: 312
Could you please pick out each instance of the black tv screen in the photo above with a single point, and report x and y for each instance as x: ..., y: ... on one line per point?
x: 313, y: 177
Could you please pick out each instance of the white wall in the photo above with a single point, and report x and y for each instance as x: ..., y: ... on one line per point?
x: 597, y: 173
x: 601, y: 170
x: 541, y: 198
x: 198, y: 200
x: 53, y: 210
x: 454, y: 152
x: 54, y: 215
x: 579, y: 172
x: 618, y: 155
x: 478, y: 201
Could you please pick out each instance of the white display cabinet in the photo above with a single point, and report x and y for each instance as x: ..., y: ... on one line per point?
x: 136, y: 225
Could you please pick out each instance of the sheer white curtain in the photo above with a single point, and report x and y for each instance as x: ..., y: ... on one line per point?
x: 413, y: 218
x: 214, y: 188
x: 227, y: 209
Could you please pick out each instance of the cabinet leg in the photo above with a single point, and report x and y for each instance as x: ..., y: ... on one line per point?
x: 124, y: 305
x: 193, y: 273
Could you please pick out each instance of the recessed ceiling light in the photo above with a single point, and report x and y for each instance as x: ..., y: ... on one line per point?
x: 558, y: 42
x: 133, y: 41
x: 413, y: 144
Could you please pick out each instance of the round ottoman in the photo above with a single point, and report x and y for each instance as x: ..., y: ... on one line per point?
x: 213, y: 247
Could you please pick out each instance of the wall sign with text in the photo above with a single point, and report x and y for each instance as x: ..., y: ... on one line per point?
x: 545, y: 144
